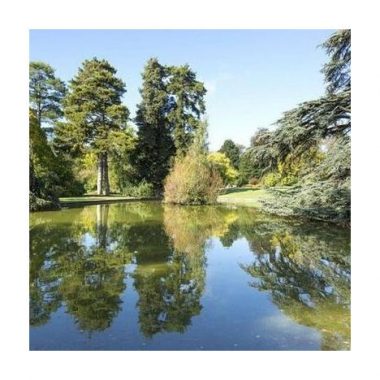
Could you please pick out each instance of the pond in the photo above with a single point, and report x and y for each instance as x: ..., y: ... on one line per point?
x: 147, y: 276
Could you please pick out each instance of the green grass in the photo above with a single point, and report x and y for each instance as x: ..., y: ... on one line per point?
x: 88, y: 199
x: 244, y: 196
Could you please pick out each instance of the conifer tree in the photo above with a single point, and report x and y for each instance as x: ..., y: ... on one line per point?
x: 187, y: 105
x: 155, y: 145
x: 46, y: 92
x: 94, y: 113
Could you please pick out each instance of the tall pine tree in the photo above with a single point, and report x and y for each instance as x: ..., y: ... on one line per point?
x: 94, y: 112
x: 155, y: 145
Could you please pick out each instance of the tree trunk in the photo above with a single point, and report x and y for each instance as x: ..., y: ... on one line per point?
x: 106, y: 182
x: 102, y: 225
x: 103, y: 187
x: 100, y: 174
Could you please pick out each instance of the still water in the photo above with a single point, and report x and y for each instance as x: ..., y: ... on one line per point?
x: 146, y: 276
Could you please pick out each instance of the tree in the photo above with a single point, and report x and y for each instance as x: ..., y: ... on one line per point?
x: 155, y: 145
x: 324, y: 192
x: 94, y: 113
x: 223, y: 165
x: 338, y: 70
x: 232, y: 151
x: 259, y: 158
x: 328, y: 116
x: 46, y: 92
x: 186, y: 104
x: 42, y: 177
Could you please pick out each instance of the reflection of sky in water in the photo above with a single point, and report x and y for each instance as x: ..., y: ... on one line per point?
x: 88, y: 240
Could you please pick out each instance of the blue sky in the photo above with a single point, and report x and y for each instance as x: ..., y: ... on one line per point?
x: 252, y: 76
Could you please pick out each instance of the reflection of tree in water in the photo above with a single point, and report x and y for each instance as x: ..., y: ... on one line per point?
x: 88, y: 276
x: 171, y: 264
x: 308, y: 275
x: 190, y: 227
x: 92, y: 290
x: 169, y: 282
x: 169, y: 295
x: 45, y: 297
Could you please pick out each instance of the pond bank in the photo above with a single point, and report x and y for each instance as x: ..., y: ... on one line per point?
x: 99, y: 199
x: 263, y: 200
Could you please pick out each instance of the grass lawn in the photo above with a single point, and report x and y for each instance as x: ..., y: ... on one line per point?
x: 244, y: 196
x: 89, y: 199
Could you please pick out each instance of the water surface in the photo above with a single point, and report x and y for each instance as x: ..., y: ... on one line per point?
x: 146, y: 276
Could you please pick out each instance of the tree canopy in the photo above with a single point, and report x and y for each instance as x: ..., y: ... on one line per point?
x: 155, y: 145
x: 187, y: 105
x: 232, y: 152
x: 46, y: 92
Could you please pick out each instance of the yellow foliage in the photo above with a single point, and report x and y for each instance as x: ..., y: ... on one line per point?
x: 223, y: 164
x: 192, y: 181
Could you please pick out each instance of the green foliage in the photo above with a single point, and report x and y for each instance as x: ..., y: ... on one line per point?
x: 223, y: 165
x: 338, y: 70
x: 246, y: 169
x: 42, y: 179
x: 259, y: 158
x: 186, y: 105
x: 167, y: 119
x: 293, y: 168
x: 122, y: 147
x: 93, y: 107
x: 51, y: 174
x: 271, y: 179
x: 155, y: 145
x: 324, y: 193
x: 232, y: 151
x: 85, y: 170
x: 45, y: 93
x: 141, y: 190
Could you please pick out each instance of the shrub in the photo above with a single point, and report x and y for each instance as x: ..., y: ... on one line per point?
x: 39, y: 204
x: 192, y: 181
x: 271, y: 179
x: 141, y: 190
x: 254, y: 181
